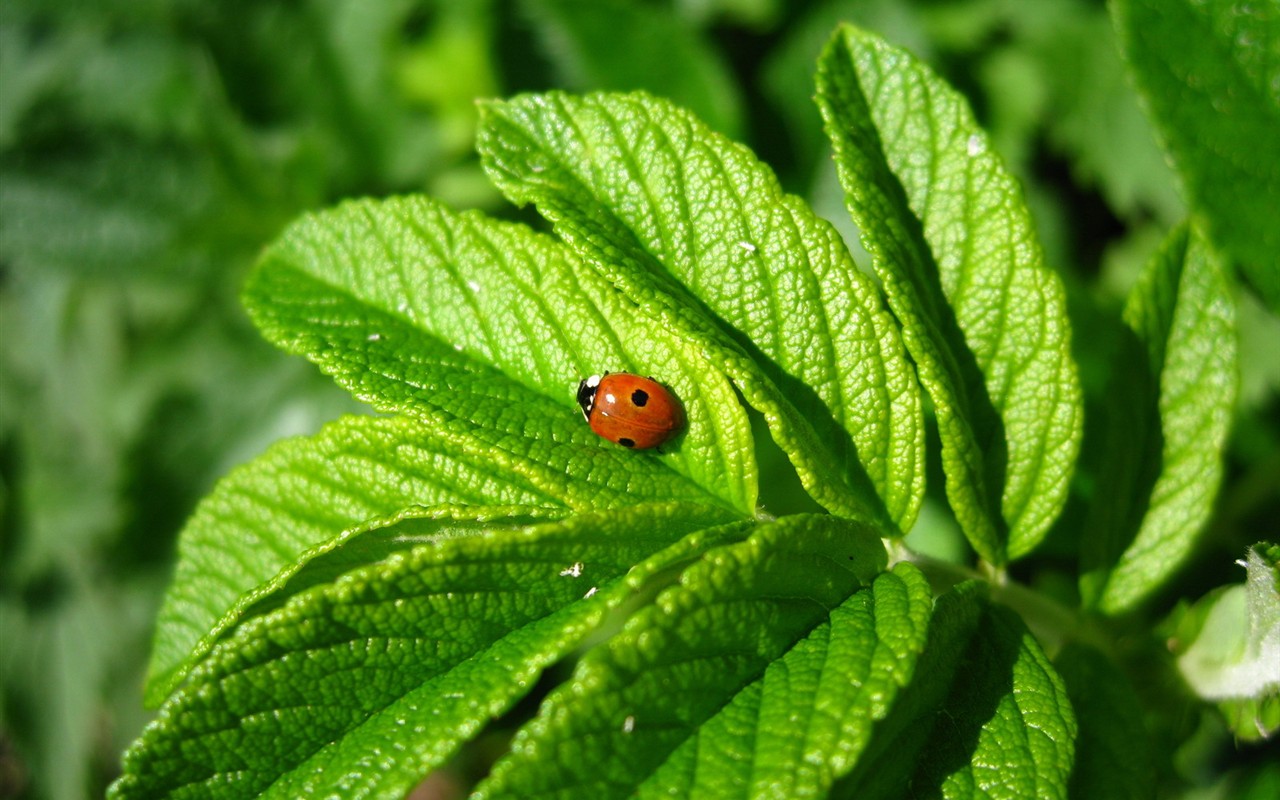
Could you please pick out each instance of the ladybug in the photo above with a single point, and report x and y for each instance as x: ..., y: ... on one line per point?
x: 630, y: 410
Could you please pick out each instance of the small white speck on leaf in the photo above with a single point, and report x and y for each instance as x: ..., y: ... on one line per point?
x: 629, y: 724
x: 748, y: 246
x: 573, y: 571
x: 373, y: 337
x: 473, y: 286
x: 590, y: 592
x: 976, y: 146
x: 458, y: 347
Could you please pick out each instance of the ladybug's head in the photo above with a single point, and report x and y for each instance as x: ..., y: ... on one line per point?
x: 587, y: 394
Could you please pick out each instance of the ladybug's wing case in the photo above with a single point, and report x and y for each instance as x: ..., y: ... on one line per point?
x: 634, y: 411
x: 664, y: 417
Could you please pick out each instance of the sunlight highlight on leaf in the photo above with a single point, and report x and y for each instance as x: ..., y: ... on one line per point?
x: 983, y: 317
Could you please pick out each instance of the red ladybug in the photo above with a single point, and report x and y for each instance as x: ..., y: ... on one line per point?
x: 630, y: 410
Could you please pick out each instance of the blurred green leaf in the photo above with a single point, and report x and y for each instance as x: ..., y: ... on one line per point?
x: 751, y: 13
x: 1175, y: 384
x: 697, y: 233
x: 90, y: 212
x: 788, y: 76
x: 1093, y: 113
x: 983, y: 318
x: 1210, y: 72
x: 585, y: 40
x: 60, y: 646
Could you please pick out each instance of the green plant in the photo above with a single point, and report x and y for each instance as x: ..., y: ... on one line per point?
x: 352, y: 607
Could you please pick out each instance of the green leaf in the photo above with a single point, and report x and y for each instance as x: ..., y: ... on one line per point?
x: 1008, y: 723
x: 1171, y: 403
x: 661, y: 53
x: 92, y: 211
x: 1114, y: 757
x: 1234, y: 657
x: 482, y: 331
x: 642, y: 697
x: 986, y: 717
x: 1092, y: 111
x: 255, y: 528
x: 805, y: 722
x: 697, y: 233
x: 1210, y: 72
x: 895, y: 749
x: 361, y: 686
x: 983, y: 318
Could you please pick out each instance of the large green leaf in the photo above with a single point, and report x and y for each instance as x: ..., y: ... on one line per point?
x: 478, y: 331
x: 261, y: 519
x: 639, y: 702
x: 1210, y: 72
x: 1171, y: 399
x: 358, y: 687
x: 482, y: 330
x: 982, y: 316
x: 697, y: 233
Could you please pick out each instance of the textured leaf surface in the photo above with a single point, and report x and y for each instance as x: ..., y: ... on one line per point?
x: 806, y: 721
x: 698, y: 234
x: 1113, y: 752
x: 479, y: 332
x: 982, y: 316
x: 1210, y: 71
x: 262, y: 518
x: 987, y: 717
x: 482, y: 330
x: 358, y: 687
x: 1008, y: 722
x: 642, y: 695
x: 1176, y: 387
x: 896, y: 747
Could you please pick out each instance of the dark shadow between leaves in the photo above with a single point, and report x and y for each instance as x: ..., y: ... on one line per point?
x: 1122, y: 452
x: 902, y: 738
x: 984, y: 677
x: 974, y: 401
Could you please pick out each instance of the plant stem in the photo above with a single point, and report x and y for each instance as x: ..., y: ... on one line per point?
x: 1052, y: 623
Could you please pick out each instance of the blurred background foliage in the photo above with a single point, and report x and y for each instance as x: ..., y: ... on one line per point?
x: 150, y: 148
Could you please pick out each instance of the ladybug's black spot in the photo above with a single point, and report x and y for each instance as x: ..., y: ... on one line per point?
x: 625, y: 442
x: 640, y: 398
